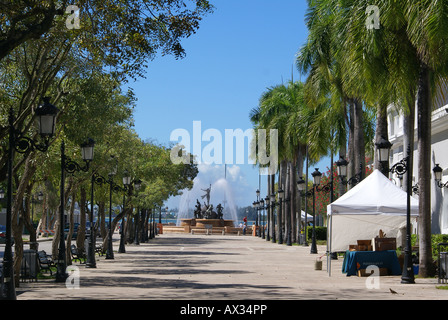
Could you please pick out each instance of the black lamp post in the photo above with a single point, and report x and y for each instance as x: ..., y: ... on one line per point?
x: 301, y: 187
x: 91, y: 263
x: 69, y: 166
x: 400, y: 168
x: 137, y: 224
x: 342, y: 173
x: 257, y: 220
x: 46, y: 119
x: 112, y: 173
x: 273, y: 203
x: 281, y: 194
x: 268, y: 219
x: 126, y: 184
x: 316, y: 182
x: 438, y: 176
x: 261, y: 206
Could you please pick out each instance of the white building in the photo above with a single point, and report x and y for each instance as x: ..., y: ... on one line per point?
x: 439, y: 155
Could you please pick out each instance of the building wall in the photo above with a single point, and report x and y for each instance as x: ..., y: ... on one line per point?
x: 439, y: 155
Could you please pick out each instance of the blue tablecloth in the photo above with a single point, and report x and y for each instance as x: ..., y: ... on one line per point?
x: 356, y: 260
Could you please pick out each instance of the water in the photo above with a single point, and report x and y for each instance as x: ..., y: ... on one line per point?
x: 220, y: 193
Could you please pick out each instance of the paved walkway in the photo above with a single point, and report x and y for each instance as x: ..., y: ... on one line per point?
x: 200, y: 267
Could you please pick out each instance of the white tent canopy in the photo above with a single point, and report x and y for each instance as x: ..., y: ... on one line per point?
x: 374, y: 204
x: 308, y: 217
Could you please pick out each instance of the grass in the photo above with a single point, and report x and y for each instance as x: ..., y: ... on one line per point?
x: 442, y: 287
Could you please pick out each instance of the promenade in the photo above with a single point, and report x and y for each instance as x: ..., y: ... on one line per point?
x: 201, y: 267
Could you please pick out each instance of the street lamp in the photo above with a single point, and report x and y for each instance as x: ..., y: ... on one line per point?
x: 258, y: 210
x: 112, y: 173
x: 91, y: 263
x: 438, y: 176
x: 69, y: 166
x: 46, y: 119
x: 383, y: 149
x: 266, y: 200
x: 342, y: 172
x: 261, y: 206
x: 281, y: 194
x: 301, y: 187
x: 316, y: 182
x: 126, y: 184
x: 400, y: 168
x: 273, y: 217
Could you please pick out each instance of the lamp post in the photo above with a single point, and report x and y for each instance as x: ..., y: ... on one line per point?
x: 267, y: 200
x: 257, y: 203
x: 46, y: 119
x: 69, y: 166
x: 438, y: 176
x: 342, y: 173
x: 316, y: 182
x: 274, y: 240
x: 112, y: 173
x: 281, y: 194
x: 126, y: 184
x: 91, y: 263
x: 400, y: 168
x: 261, y: 208
x: 301, y: 187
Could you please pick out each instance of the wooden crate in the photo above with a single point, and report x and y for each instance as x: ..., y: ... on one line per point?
x: 382, y: 244
x: 364, y: 245
x: 363, y: 273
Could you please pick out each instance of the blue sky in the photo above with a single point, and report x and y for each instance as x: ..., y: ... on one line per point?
x: 241, y: 49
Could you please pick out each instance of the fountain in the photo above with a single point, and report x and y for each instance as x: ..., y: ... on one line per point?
x: 205, y: 215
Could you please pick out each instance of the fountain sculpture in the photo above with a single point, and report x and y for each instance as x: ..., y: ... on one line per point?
x: 206, y: 215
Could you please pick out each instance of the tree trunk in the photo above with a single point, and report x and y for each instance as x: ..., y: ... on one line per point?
x: 282, y: 180
x: 68, y: 256
x: 381, y: 131
x: 359, y: 141
x: 292, y: 203
x: 408, y: 137
x: 81, y: 237
x: 351, y: 170
x: 102, y: 218
x: 288, y: 204
x: 268, y: 210
x: 273, y: 220
x: 17, y: 216
x: 299, y: 168
x: 426, y: 268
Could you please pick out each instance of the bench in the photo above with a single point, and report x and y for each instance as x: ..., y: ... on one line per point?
x: 45, y: 261
x: 78, y: 254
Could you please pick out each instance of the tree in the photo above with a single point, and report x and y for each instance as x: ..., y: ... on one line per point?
x: 121, y: 34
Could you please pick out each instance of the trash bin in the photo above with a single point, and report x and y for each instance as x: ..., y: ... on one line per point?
x: 443, y: 267
x: 443, y: 263
x: 29, y: 267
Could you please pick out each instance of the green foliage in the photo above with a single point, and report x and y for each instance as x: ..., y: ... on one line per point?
x: 435, y: 240
x: 321, y: 233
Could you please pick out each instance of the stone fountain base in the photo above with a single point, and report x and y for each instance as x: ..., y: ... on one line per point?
x: 202, y: 225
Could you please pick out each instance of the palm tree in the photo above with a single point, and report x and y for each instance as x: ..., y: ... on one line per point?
x: 401, y: 62
x: 281, y: 107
